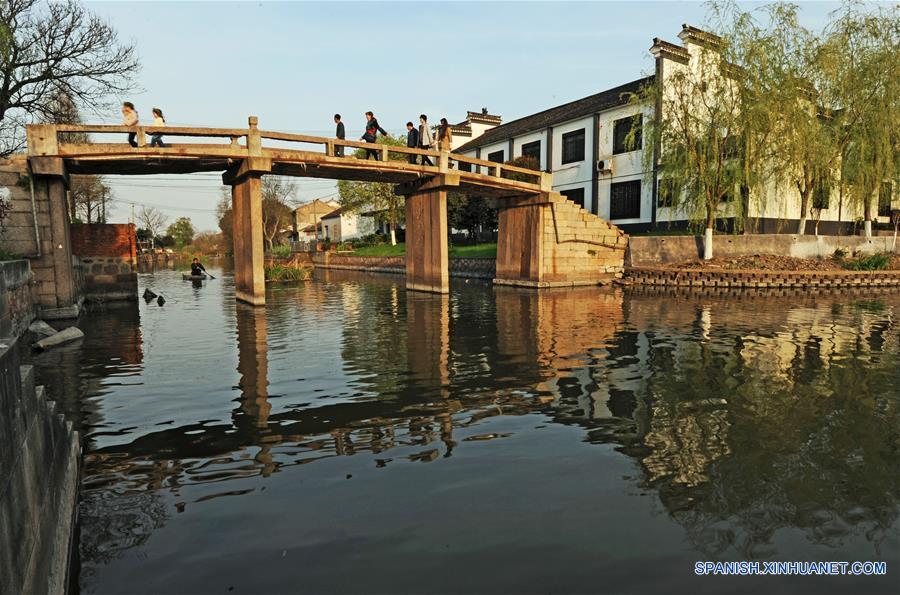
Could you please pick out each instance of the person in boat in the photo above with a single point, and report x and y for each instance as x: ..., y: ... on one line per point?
x: 197, y: 268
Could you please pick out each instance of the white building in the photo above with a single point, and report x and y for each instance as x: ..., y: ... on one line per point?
x: 583, y: 144
x: 338, y: 226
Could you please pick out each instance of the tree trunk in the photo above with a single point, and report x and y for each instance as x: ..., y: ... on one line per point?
x: 393, y: 235
x: 708, y: 236
x: 804, y: 210
x: 868, y: 215
x: 708, y: 244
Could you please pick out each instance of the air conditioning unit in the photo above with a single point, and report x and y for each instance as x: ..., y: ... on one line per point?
x: 604, y: 166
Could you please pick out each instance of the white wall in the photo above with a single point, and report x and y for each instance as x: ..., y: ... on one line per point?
x: 579, y: 173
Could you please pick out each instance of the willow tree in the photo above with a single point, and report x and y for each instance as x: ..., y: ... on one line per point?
x: 699, y: 130
x: 860, y: 82
x: 780, y: 76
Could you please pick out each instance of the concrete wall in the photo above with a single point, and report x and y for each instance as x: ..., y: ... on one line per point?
x: 108, y: 255
x: 654, y: 250
x: 51, y: 258
x: 474, y: 268
x: 39, y: 465
x: 39, y: 458
x: 17, y: 308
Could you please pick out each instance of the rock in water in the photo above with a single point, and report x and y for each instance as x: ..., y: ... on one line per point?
x: 160, y: 300
x: 149, y: 295
x: 64, y: 336
x: 41, y: 329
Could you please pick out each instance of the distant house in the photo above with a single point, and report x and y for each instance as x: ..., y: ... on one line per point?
x: 339, y: 226
x: 307, y: 217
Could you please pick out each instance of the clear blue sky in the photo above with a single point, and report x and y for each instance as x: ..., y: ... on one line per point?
x: 294, y: 64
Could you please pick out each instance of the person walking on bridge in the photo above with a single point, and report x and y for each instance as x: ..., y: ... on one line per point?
x: 340, y: 134
x: 445, y: 137
x: 158, y: 122
x: 412, y: 140
x: 425, y: 140
x: 371, y: 135
x: 130, y: 118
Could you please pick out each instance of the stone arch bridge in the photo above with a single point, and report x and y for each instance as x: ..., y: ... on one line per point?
x: 544, y: 240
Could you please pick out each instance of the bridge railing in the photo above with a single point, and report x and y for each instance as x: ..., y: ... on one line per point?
x: 44, y: 140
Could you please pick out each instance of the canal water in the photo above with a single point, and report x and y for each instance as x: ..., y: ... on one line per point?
x: 352, y: 437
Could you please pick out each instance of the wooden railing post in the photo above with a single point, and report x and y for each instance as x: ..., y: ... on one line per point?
x: 42, y: 139
x: 384, y: 153
x: 444, y: 161
x: 254, y: 140
x: 329, y: 148
x: 141, y: 139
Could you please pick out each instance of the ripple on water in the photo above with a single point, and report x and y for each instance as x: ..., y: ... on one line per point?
x: 496, y: 425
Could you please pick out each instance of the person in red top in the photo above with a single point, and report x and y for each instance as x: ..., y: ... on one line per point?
x: 371, y: 135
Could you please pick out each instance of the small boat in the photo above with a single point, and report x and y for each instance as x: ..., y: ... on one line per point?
x: 187, y: 277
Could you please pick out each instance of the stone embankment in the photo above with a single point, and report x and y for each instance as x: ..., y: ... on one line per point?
x: 760, y: 278
x: 40, y: 456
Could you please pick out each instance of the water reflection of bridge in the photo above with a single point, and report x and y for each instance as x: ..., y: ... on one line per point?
x: 705, y: 409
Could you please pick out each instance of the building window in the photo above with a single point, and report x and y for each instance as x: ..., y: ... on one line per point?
x: 576, y: 195
x: 621, y: 129
x: 885, y: 193
x: 496, y: 156
x: 573, y: 146
x: 532, y: 150
x: 625, y: 200
x: 464, y: 166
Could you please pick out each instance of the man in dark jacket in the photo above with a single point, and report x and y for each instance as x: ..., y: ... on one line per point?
x: 339, y: 133
x: 412, y: 140
x: 372, y: 130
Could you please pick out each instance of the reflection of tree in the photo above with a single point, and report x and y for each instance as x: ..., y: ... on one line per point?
x: 778, y: 427
x: 112, y: 523
x: 746, y: 416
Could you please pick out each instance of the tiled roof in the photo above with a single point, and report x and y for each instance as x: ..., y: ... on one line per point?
x: 559, y: 114
x: 334, y: 214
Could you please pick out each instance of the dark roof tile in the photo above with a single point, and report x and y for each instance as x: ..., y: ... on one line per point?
x: 556, y: 115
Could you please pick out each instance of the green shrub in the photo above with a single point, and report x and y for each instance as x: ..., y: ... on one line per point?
x: 838, y: 255
x: 373, y: 239
x: 280, y: 272
x: 281, y: 251
x: 6, y: 255
x: 873, y: 262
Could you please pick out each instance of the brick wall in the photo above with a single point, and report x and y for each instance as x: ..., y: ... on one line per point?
x: 104, y: 239
x: 108, y: 253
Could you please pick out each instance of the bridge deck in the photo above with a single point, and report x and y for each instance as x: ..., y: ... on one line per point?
x: 48, y: 141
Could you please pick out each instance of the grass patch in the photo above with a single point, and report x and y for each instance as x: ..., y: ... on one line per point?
x: 380, y: 250
x: 476, y: 251
x: 5, y: 255
x: 873, y: 262
x: 280, y: 272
